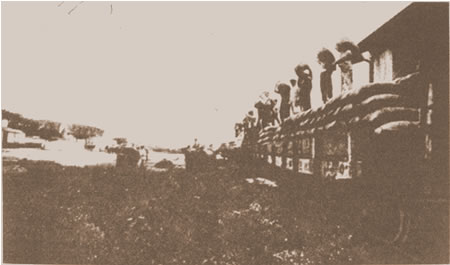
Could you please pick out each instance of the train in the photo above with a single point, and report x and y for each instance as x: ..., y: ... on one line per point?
x: 374, y: 143
x: 378, y: 152
x: 339, y: 139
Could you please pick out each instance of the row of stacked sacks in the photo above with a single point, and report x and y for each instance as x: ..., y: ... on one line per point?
x: 339, y: 135
x: 373, y: 106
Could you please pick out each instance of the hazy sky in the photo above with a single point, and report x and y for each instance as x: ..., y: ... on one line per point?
x: 166, y: 72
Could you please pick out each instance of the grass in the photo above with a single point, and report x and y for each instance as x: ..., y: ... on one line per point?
x: 105, y: 215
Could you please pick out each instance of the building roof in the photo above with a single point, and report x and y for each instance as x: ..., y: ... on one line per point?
x: 418, y: 22
x: 13, y: 131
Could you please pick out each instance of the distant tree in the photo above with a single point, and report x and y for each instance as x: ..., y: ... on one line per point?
x: 121, y: 141
x: 47, y: 130
x: 84, y: 132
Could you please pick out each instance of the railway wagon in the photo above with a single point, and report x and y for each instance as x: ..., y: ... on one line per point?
x: 340, y: 139
x: 372, y: 142
x: 381, y: 149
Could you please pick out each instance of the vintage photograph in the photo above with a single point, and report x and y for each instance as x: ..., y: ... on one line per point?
x: 228, y: 133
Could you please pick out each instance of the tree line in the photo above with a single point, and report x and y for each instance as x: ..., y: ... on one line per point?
x: 48, y: 130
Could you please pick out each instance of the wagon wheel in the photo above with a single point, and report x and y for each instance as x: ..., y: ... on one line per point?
x: 386, y: 221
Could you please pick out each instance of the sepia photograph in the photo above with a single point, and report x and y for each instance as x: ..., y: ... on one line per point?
x: 225, y: 132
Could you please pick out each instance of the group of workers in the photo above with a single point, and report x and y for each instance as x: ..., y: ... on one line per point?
x: 267, y: 111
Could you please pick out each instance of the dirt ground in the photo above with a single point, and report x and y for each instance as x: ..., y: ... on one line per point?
x: 92, y: 215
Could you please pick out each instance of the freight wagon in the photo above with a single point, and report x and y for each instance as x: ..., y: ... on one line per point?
x: 370, y: 151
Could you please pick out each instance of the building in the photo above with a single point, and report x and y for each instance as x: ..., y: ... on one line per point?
x: 14, y: 136
x: 417, y: 40
x: 416, y: 37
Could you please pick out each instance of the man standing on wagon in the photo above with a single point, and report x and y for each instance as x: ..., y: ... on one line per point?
x: 285, y: 93
x: 304, y: 83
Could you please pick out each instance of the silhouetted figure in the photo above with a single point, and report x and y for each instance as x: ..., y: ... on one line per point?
x: 237, y: 129
x: 304, y: 83
x: 196, y: 144
x: 249, y: 120
x: 272, y: 112
x: 143, y: 153
x: 326, y: 85
x: 285, y: 93
x: 146, y: 154
x: 327, y: 60
x: 350, y: 54
x: 187, y: 157
x: 293, y: 83
x: 263, y: 120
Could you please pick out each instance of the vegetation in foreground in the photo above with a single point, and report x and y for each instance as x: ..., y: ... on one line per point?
x: 56, y: 214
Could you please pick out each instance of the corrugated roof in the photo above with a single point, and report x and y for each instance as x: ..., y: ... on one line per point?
x: 416, y: 22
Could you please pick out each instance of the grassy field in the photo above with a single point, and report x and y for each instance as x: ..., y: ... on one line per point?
x: 56, y: 214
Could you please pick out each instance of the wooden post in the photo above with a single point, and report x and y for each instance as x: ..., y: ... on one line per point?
x: 284, y: 153
x: 351, y: 164
x: 295, y: 153
x: 316, y: 155
x: 425, y: 121
x: 313, y: 154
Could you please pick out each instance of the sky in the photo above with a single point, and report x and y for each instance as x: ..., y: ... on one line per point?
x: 164, y: 73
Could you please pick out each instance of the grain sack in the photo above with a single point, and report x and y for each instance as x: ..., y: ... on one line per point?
x: 389, y: 114
x: 397, y: 126
x: 382, y: 100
